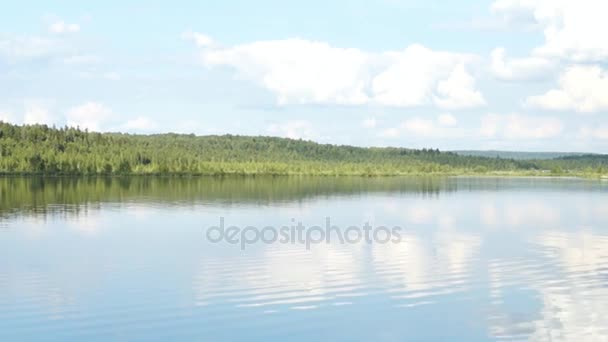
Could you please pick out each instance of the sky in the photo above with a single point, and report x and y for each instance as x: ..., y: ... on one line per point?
x: 526, y: 75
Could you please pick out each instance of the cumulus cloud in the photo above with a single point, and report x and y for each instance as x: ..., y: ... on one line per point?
x: 60, y: 27
x: 572, y: 32
x: 300, y: 71
x: 517, y: 126
x: 572, y: 29
x: 90, y: 115
x: 519, y: 69
x: 297, y: 70
x: 296, y: 129
x: 581, y: 88
x: 458, y: 91
x: 419, y: 76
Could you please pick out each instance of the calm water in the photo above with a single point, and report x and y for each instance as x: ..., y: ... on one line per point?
x: 128, y: 260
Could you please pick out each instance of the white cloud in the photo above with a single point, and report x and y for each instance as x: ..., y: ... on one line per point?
x: 572, y: 30
x: 581, y: 88
x: 519, y: 69
x: 35, y: 113
x: 301, y: 71
x: 573, y: 33
x: 369, y: 123
x: 443, y: 126
x: 516, y: 126
x: 61, y: 27
x: 298, y: 71
x: 140, y: 124
x: 90, y: 115
x: 297, y: 129
x: 417, y: 76
x: 447, y: 119
x: 458, y: 91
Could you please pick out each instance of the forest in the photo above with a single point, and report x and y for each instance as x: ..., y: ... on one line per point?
x: 40, y: 149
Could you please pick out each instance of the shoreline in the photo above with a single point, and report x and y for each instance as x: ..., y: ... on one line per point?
x: 322, y: 175
x: 40, y: 150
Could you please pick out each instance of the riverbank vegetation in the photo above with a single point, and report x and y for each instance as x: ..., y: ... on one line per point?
x: 40, y: 149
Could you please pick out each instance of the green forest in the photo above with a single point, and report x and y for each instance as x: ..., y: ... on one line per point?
x: 40, y: 149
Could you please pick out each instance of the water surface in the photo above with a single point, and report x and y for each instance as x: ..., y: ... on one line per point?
x: 127, y: 259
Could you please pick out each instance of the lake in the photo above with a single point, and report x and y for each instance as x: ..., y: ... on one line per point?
x: 133, y: 259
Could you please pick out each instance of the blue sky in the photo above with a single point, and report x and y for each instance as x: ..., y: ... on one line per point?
x: 506, y: 74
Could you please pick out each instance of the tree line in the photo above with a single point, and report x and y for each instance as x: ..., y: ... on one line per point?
x: 41, y: 149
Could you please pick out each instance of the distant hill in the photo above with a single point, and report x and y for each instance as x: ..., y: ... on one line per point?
x: 519, y: 155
